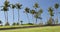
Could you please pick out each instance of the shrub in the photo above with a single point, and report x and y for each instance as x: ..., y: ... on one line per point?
x: 7, y: 24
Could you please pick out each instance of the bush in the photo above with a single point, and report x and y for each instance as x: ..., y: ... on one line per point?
x: 17, y: 23
x: 7, y: 24
x: 14, y: 23
x: 30, y: 23
x: 50, y: 21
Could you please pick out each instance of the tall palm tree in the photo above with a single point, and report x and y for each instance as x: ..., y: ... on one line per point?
x: 32, y: 12
x: 27, y: 10
x: 6, y: 4
x: 18, y: 6
x: 5, y: 9
x: 13, y: 6
x: 56, y: 7
x: 50, y: 10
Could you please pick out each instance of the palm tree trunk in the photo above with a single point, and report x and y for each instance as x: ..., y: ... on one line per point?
x: 5, y: 16
x: 36, y: 20
x: 56, y: 16
x: 18, y: 16
x: 13, y: 15
x: 32, y: 19
x: 28, y: 18
x: 51, y: 20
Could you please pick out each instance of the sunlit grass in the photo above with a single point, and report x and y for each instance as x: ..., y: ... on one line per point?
x: 38, y: 29
x: 15, y: 26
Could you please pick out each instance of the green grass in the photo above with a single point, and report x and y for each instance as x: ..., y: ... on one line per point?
x: 14, y: 26
x: 38, y: 29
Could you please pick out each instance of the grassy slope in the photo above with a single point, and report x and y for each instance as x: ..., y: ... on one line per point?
x: 38, y: 29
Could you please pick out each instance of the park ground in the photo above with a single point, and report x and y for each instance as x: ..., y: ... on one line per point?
x: 35, y: 29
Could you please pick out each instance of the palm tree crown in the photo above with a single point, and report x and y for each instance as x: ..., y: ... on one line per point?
x: 18, y: 6
x: 27, y: 10
x: 50, y: 10
x: 36, y: 5
x: 56, y: 5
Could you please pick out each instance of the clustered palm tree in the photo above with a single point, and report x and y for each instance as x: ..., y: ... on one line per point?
x: 36, y: 12
x: 6, y: 8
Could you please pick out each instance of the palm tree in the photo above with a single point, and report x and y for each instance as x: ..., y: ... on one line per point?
x: 50, y: 10
x: 36, y: 6
x: 18, y: 6
x: 32, y: 12
x: 6, y: 3
x: 36, y: 16
x: 56, y: 7
x: 39, y: 13
x: 5, y: 8
x: 13, y: 6
x: 27, y: 10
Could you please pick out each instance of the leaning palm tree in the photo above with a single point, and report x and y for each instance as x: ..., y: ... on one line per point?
x: 36, y: 16
x: 50, y: 10
x: 56, y: 7
x: 39, y: 13
x: 32, y: 12
x: 27, y: 10
x: 36, y: 6
x: 18, y: 6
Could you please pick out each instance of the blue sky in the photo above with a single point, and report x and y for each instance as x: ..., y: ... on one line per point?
x: 44, y: 4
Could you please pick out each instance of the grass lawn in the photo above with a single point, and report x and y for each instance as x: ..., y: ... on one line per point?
x: 15, y: 26
x: 37, y: 29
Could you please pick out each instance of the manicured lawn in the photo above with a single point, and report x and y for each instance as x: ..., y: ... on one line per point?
x: 38, y: 29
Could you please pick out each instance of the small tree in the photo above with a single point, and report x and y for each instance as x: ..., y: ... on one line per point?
x: 21, y: 22
x: 14, y: 23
